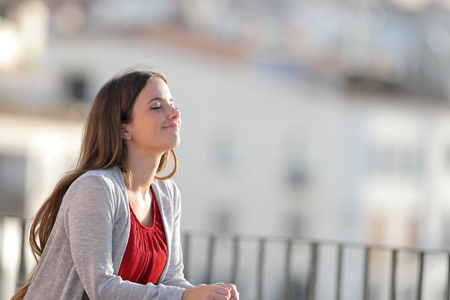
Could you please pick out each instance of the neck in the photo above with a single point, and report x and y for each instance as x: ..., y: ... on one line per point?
x: 143, y: 170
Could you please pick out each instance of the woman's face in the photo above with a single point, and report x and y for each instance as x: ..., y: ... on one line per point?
x: 155, y: 123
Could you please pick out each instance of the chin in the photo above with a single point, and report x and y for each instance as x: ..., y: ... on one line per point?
x: 175, y: 143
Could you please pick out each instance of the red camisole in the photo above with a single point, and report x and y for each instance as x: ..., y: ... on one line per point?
x: 146, y: 252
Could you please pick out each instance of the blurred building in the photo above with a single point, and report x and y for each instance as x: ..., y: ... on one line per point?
x: 324, y: 119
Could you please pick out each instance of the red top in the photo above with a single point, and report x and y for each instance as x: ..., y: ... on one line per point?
x: 146, y: 253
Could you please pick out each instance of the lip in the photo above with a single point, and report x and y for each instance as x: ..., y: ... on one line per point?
x: 172, y: 126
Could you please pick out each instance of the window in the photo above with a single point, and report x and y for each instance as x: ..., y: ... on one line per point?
x: 223, y: 153
x: 2, y: 11
x: 404, y: 160
x: 296, y: 163
x: 222, y: 219
x: 12, y: 183
x: 76, y: 87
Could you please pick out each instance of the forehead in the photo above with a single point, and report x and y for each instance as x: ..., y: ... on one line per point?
x: 155, y: 88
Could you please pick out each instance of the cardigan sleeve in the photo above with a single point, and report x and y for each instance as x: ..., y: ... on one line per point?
x: 89, y: 223
x: 175, y: 276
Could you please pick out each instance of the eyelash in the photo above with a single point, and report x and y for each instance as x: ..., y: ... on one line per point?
x: 158, y: 107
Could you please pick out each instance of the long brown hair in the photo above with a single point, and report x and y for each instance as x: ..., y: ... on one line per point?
x: 102, y: 147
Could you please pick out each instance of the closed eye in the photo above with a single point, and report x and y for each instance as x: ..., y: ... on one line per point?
x: 156, y: 105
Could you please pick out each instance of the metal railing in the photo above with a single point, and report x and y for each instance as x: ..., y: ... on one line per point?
x: 22, y: 226
x: 277, y: 268
x: 371, y: 264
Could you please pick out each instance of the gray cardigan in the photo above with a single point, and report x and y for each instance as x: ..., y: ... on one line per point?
x: 85, y: 249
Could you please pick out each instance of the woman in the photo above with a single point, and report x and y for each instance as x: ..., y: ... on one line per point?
x: 110, y: 229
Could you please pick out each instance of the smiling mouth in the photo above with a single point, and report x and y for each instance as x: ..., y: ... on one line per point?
x: 174, y: 126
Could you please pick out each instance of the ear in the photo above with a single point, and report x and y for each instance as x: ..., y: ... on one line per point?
x: 126, y: 135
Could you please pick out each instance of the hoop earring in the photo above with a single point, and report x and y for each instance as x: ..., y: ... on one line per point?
x: 175, y: 167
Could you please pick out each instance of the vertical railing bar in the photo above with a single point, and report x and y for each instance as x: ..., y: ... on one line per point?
x: 22, y: 271
x: 235, y: 260
x: 312, y: 276
x: 1, y: 253
x: 260, y: 269
x: 287, y: 286
x: 210, y: 261
x: 366, y: 273
x: 186, y: 253
x: 420, y: 278
x: 339, y: 272
x: 448, y: 280
x: 393, y: 274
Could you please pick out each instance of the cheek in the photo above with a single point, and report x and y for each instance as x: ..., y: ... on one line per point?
x: 146, y: 126
x: 151, y: 122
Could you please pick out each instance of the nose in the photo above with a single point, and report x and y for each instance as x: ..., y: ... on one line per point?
x: 174, y: 113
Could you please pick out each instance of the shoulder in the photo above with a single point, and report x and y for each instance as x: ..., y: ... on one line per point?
x: 97, y: 184
x: 167, y: 187
x: 107, y: 178
x: 111, y: 175
x: 167, y: 191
